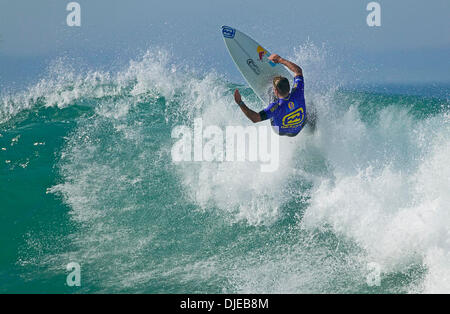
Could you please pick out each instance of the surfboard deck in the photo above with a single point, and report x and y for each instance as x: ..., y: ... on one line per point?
x: 252, y: 61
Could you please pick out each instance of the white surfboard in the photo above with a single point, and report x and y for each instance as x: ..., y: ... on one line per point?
x: 252, y: 61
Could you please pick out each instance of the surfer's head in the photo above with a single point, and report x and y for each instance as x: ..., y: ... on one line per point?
x: 281, y: 86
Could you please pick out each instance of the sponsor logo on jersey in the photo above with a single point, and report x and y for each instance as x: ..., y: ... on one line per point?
x: 293, y: 119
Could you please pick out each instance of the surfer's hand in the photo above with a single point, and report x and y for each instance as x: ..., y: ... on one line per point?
x: 237, y: 96
x: 275, y: 58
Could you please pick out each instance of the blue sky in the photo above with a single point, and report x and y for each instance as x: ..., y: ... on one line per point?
x: 412, y: 44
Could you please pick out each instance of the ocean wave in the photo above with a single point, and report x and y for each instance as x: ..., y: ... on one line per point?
x: 369, y: 186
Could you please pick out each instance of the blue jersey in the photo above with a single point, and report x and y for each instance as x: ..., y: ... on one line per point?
x: 288, y: 114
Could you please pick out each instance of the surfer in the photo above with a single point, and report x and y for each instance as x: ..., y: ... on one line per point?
x: 288, y: 112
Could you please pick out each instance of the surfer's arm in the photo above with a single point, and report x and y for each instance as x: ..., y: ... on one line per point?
x: 252, y: 115
x: 290, y: 65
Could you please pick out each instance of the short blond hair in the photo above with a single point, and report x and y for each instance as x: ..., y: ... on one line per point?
x: 282, y: 85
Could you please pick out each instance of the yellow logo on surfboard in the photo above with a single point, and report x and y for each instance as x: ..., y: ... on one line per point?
x: 261, y: 52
